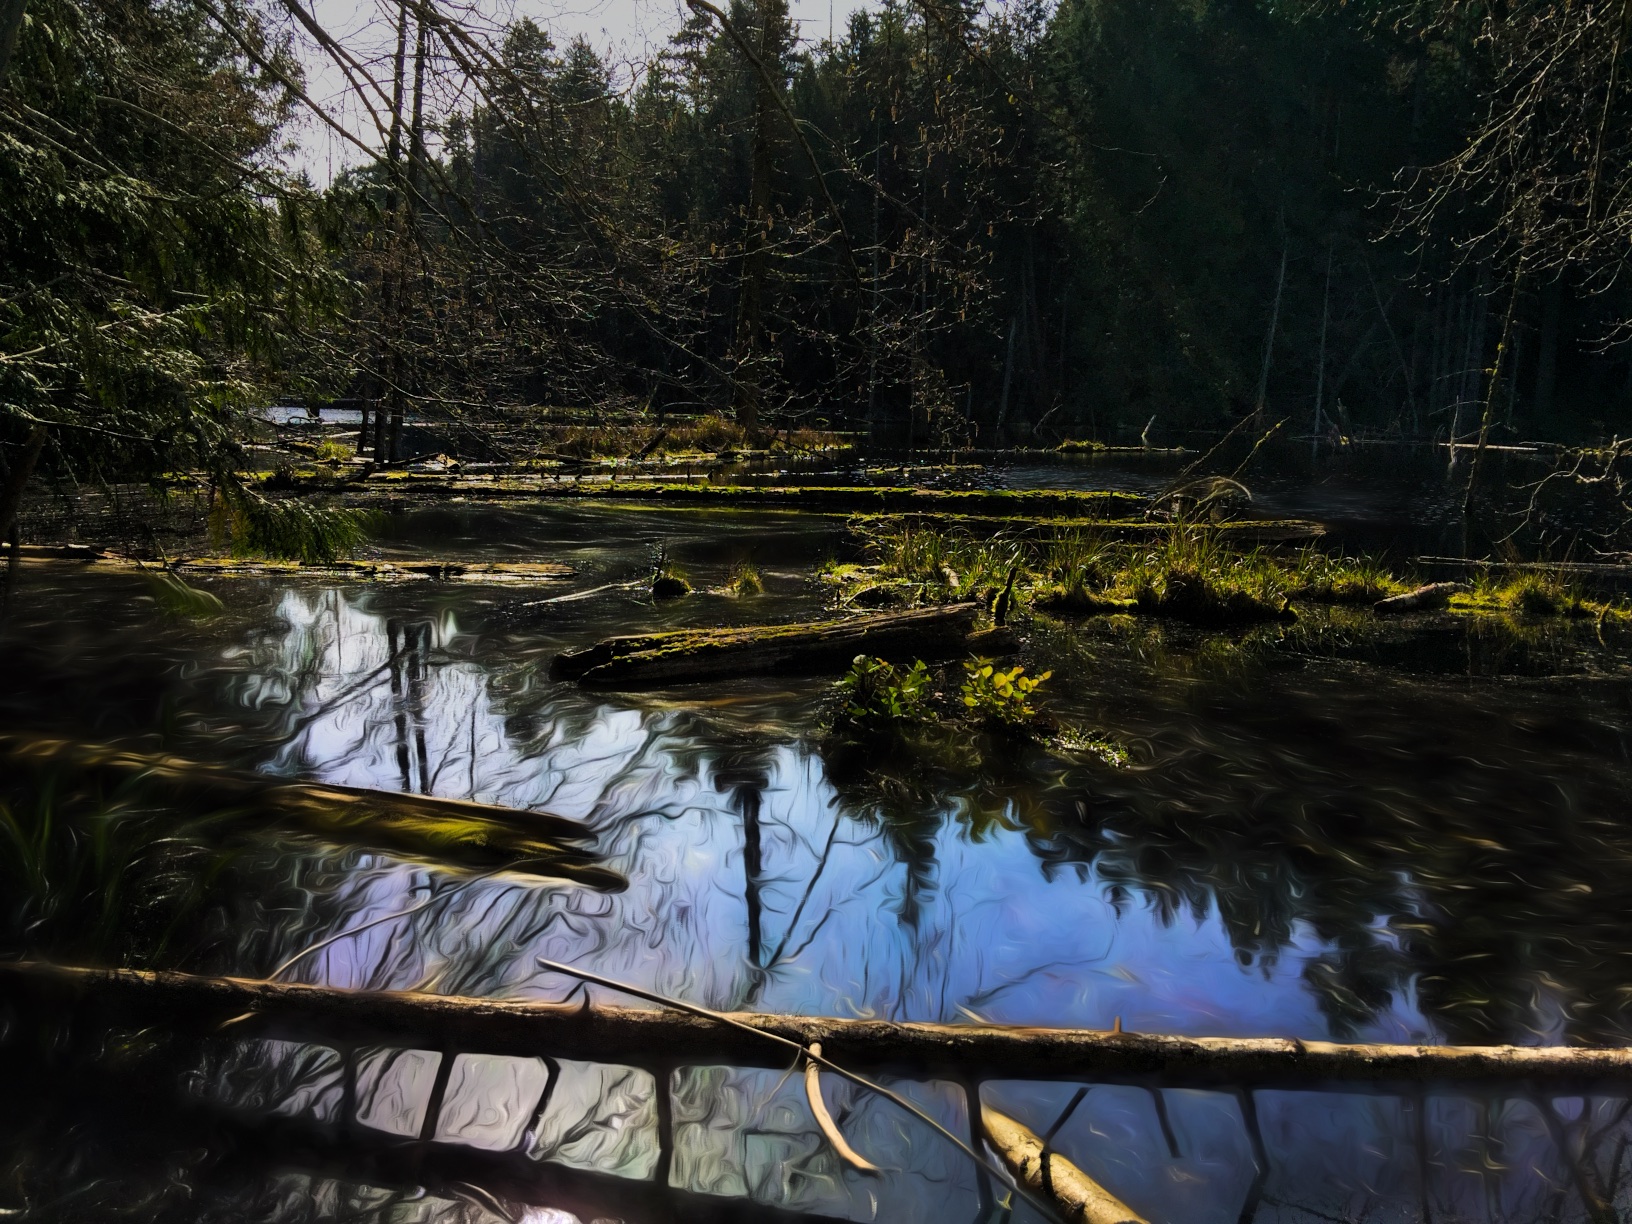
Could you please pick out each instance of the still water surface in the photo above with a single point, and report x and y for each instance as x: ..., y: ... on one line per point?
x: 1310, y: 841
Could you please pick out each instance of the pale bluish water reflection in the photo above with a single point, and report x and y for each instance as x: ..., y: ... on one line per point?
x: 833, y: 921
x: 997, y: 936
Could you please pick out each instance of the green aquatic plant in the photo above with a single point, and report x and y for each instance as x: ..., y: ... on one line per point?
x: 998, y: 694
x: 1088, y: 743
x: 173, y: 596
x: 744, y: 580
x: 669, y: 581
x: 877, y: 693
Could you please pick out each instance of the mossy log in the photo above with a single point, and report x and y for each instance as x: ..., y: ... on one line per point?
x: 453, y: 831
x: 497, y: 573
x: 200, y: 1004
x: 689, y: 655
x: 821, y: 499
x: 1050, y: 1175
x: 1238, y: 533
x: 1430, y: 598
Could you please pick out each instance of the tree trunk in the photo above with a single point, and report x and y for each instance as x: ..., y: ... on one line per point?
x: 1274, y: 326
x: 17, y: 477
x: 1552, y: 296
x: 11, y: 25
x: 756, y: 238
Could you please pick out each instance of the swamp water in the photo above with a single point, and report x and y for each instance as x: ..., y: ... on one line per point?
x: 1313, y: 838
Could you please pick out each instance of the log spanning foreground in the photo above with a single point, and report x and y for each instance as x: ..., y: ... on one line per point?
x: 688, y: 655
x: 466, y: 834
x: 188, y: 1003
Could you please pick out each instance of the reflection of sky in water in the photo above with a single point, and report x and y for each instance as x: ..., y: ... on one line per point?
x: 995, y: 937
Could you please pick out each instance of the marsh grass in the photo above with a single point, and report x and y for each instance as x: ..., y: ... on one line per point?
x: 1191, y: 572
x: 744, y: 581
x: 1531, y: 593
x: 97, y: 876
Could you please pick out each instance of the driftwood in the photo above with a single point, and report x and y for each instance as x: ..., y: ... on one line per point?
x: 1429, y: 598
x: 184, y: 1002
x: 688, y: 655
x: 1077, y: 1196
x: 468, y: 834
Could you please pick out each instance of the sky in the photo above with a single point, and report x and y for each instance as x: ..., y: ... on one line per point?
x: 627, y: 32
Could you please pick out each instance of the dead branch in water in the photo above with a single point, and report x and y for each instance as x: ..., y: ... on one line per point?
x: 1077, y: 1196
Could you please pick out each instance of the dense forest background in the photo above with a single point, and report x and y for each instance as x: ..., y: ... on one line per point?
x: 1106, y: 219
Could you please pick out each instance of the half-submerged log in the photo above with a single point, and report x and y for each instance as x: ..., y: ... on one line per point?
x: 196, y: 1004
x: 687, y: 655
x: 1429, y: 598
x: 1078, y: 1196
x: 454, y: 831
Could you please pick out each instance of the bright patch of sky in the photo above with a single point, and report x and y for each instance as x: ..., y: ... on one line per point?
x: 627, y: 33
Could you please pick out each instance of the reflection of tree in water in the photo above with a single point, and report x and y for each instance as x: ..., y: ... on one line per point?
x: 1417, y: 834
x: 1494, y: 868
x: 910, y: 784
x: 1486, y: 870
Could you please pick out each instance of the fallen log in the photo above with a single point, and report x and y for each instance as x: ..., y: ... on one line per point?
x: 458, y: 831
x: 198, y: 1004
x: 818, y: 499
x: 1239, y: 533
x: 492, y: 573
x: 1430, y: 598
x: 1596, y: 569
x: 1074, y: 1193
x: 687, y: 655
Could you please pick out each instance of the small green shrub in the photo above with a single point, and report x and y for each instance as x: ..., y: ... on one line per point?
x: 877, y: 693
x: 1000, y: 695
x: 330, y: 451
x: 744, y: 580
